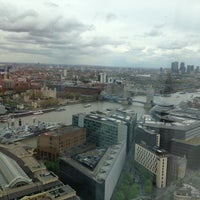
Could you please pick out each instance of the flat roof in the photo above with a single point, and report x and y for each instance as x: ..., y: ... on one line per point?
x: 193, y: 141
x: 181, y: 123
x: 119, y: 115
x: 62, y: 131
x: 104, y: 165
x: 90, y: 158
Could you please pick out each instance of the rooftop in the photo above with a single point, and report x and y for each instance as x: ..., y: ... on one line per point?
x: 181, y: 123
x: 97, y: 163
x: 90, y: 158
x: 193, y: 141
x: 62, y: 131
x: 156, y: 150
x: 115, y: 116
x: 11, y: 173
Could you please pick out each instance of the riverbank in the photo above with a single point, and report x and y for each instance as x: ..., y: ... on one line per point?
x: 10, y: 115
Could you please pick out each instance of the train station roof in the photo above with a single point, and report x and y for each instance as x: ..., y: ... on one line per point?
x: 11, y: 174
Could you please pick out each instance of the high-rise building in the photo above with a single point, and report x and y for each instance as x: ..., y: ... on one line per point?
x: 65, y: 72
x: 103, y: 77
x: 190, y: 69
x: 197, y: 69
x: 182, y: 68
x: 174, y: 67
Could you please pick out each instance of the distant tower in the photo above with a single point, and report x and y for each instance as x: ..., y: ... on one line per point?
x: 174, y: 67
x: 149, y: 97
x: 197, y: 69
x: 190, y: 69
x: 65, y: 72
x: 103, y: 77
x: 182, y: 68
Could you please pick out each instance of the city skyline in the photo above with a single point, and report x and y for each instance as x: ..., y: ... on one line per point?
x: 115, y: 33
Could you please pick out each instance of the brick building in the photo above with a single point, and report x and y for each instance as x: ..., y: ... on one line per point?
x: 49, y: 144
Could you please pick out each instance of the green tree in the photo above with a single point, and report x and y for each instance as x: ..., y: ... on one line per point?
x: 127, y: 179
x: 119, y: 196
x: 52, y: 165
x: 148, y: 186
x: 134, y: 191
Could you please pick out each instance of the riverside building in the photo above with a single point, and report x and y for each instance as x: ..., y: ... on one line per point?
x: 108, y: 128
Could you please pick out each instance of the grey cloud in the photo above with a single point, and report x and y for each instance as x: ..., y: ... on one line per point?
x: 28, y: 13
x: 159, y: 26
x: 110, y: 17
x: 101, y: 41
x: 173, y: 45
x: 51, y: 4
x: 37, y: 27
x: 153, y: 33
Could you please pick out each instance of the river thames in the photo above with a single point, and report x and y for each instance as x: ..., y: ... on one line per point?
x: 65, y: 116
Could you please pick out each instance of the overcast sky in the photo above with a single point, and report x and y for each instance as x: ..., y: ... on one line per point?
x: 129, y: 33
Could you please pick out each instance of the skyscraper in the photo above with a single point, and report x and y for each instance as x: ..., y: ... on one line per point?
x: 174, y: 67
x: 182, y: 68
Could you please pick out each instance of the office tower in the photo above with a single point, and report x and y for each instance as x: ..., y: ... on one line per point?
x: 174, y: 67
x: 179, y: 132
x: 190, y: 69
x: 147, y: 136
x: 182, y: 68
x: 65, y: 72
x: 103, y: 77
x: 155, y: 161
x: 94, y: 173
x: 108, y: 128
x: 197, y: 69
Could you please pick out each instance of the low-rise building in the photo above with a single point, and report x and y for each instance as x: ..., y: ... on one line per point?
x: 49, y: 144
x: 23, y: 177
x: 176, y: 168
x: 187, y: 192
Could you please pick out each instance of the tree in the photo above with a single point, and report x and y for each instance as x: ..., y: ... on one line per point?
x: 52, y: 166
x: 148, y: 187
x: 127, y: 179
x: 134, y: 191
x: 119, y: 196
